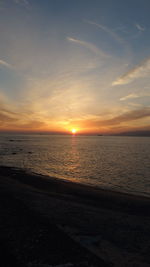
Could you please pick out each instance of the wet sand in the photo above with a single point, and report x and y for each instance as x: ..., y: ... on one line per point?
x: 50, y: 222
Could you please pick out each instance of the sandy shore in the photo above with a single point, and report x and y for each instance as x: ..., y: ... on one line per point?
x: 49, y: 222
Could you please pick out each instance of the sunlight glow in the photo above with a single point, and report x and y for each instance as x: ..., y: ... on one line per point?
x: 73, y: 131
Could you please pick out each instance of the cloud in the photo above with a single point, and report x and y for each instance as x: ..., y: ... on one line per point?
x: 135, y: 104
x: 22, y: 2
x: 32, y: 125
x: 129, y: 116
x: 17, y: 122
x: 5, y: 64
x: 7, y: 117
x: 132, y: 115
x: 18, y: 117
x: 105, y: 29
x: 115, y: 36
x: 141, y: 70
x: 25, y: 2
x: 131, y: 96
x: 139, y: 27
x: 88, y: 45
x: 125, y: 121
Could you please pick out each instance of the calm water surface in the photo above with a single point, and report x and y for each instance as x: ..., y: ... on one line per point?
x: 116, y: 163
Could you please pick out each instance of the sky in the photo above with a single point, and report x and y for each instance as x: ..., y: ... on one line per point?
x: 75, y: 64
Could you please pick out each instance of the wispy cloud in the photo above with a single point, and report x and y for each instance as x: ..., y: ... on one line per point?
x: 7, y: 117
x: 131, y: 96
x: 139, y: 27
x: 124, y: 122
x: 5, y: 64
x: 137, y: 105
x: 141, y: 70
x: 130, y: 116
x: 111, y: 32
x: 20, y: 119
x: 22, y: 2
x: 105, y: 29
x: 88, y: 45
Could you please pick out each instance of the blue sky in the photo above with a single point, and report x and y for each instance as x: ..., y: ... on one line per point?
x: 74, y: 64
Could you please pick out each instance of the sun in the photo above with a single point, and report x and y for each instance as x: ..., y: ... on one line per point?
x: 73, y: 131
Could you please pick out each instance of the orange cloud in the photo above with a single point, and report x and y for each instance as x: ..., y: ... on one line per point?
x: 117, y: 123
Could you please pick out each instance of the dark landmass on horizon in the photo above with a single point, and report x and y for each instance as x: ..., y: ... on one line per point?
x: 135, y: 133
x: 48, y: 222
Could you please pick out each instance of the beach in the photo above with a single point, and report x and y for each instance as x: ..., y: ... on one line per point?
x: 50, y: 222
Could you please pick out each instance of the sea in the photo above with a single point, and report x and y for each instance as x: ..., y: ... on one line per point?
x: 115, y: 163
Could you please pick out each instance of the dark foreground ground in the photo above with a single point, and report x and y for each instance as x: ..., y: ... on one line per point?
x: 48, y: 222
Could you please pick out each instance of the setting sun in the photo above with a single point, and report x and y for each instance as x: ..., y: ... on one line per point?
x: 73, y: 131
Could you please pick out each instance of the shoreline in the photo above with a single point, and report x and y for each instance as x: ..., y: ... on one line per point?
x: 50, y: 222
x: 91, y: 195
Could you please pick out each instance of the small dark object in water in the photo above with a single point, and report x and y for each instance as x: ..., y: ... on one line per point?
x: 29, y: 152
x: 14, y: 153
x: 11, y: 140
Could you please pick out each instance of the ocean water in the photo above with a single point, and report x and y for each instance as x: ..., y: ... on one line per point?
x: 114, y: 163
